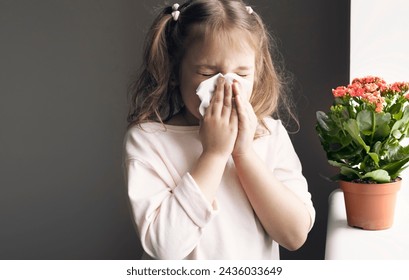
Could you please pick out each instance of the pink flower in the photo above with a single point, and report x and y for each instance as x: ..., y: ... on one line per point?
x: 399, y: 86
x: 379, y: 107
x: 373, y: 98
x: 356, y: 90
x: 339, y: 91
x: 371, y: 89
x: 360, y: 92
x: 369, y: 80
x: 379, y: 104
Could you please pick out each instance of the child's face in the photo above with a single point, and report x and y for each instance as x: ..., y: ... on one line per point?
x: 203, y: 60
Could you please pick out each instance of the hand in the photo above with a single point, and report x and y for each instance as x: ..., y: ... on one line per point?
x: 247, y: 123
x: 218, y: 130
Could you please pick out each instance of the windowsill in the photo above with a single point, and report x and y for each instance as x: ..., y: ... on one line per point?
x: 348, y: 243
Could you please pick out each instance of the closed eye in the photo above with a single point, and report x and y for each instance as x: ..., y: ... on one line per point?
x: 207, y: 74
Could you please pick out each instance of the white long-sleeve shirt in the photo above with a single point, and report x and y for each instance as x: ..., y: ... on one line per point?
x: 173, y: 218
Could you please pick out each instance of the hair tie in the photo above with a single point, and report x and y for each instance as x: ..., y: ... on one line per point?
x: 249, y: 9
x: 175, y: 14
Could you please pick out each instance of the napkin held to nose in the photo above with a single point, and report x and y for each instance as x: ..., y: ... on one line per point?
x: 206, y: 88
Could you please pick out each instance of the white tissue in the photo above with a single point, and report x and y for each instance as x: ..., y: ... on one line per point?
x: 206, y: 88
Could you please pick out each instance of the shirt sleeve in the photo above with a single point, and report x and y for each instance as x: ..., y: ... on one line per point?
x: 169, y: 220
x: 288, y: 170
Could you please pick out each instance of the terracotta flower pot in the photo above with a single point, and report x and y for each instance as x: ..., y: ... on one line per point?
x: 370, y: 206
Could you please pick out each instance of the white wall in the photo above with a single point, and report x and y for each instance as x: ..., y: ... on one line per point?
x: 380, y: 39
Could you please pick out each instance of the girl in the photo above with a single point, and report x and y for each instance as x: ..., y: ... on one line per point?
x: 227, y: 185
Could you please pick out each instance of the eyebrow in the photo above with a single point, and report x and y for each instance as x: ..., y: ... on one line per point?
x: 207, y: 66
x: 244, y: 68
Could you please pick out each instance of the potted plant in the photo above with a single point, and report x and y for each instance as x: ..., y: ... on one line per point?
x: 365, y: 135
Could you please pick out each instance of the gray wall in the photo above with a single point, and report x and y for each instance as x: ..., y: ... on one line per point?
x: 64, y: 71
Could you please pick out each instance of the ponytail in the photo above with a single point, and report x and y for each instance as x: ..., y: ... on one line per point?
x: 148, y: 101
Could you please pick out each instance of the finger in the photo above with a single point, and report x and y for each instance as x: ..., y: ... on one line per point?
x: 237, y: 90
x: 240, y: 107
x: 233, y: 115
x: 236, y: 87
x: 216, y: 103
x: 240, y: 103
x: 227, y: 104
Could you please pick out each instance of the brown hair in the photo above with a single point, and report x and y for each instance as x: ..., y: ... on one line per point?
x: 155, y: 95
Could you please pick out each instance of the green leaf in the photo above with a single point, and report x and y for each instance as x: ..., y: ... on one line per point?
x: 397, y: 134
x: 382, y: 128
x: 349, y: 172
x: 346, y: 170
x: 396, y: 167
x: 336, y: 163
x: 396, y: 110
x: 380, y: 176
x: 322, y: 119
x: 375, y: 158
x: 403, y: 123
x: 377, y: 147
x: 351, y: 126
x: 395, y: 151
x: 365, y: 122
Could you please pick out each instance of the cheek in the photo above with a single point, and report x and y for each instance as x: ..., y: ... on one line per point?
x: 190, y: 98
x: 188, y: 86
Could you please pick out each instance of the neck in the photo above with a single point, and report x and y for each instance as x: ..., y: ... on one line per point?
x: 190, y: 120
x: 183, y: 118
